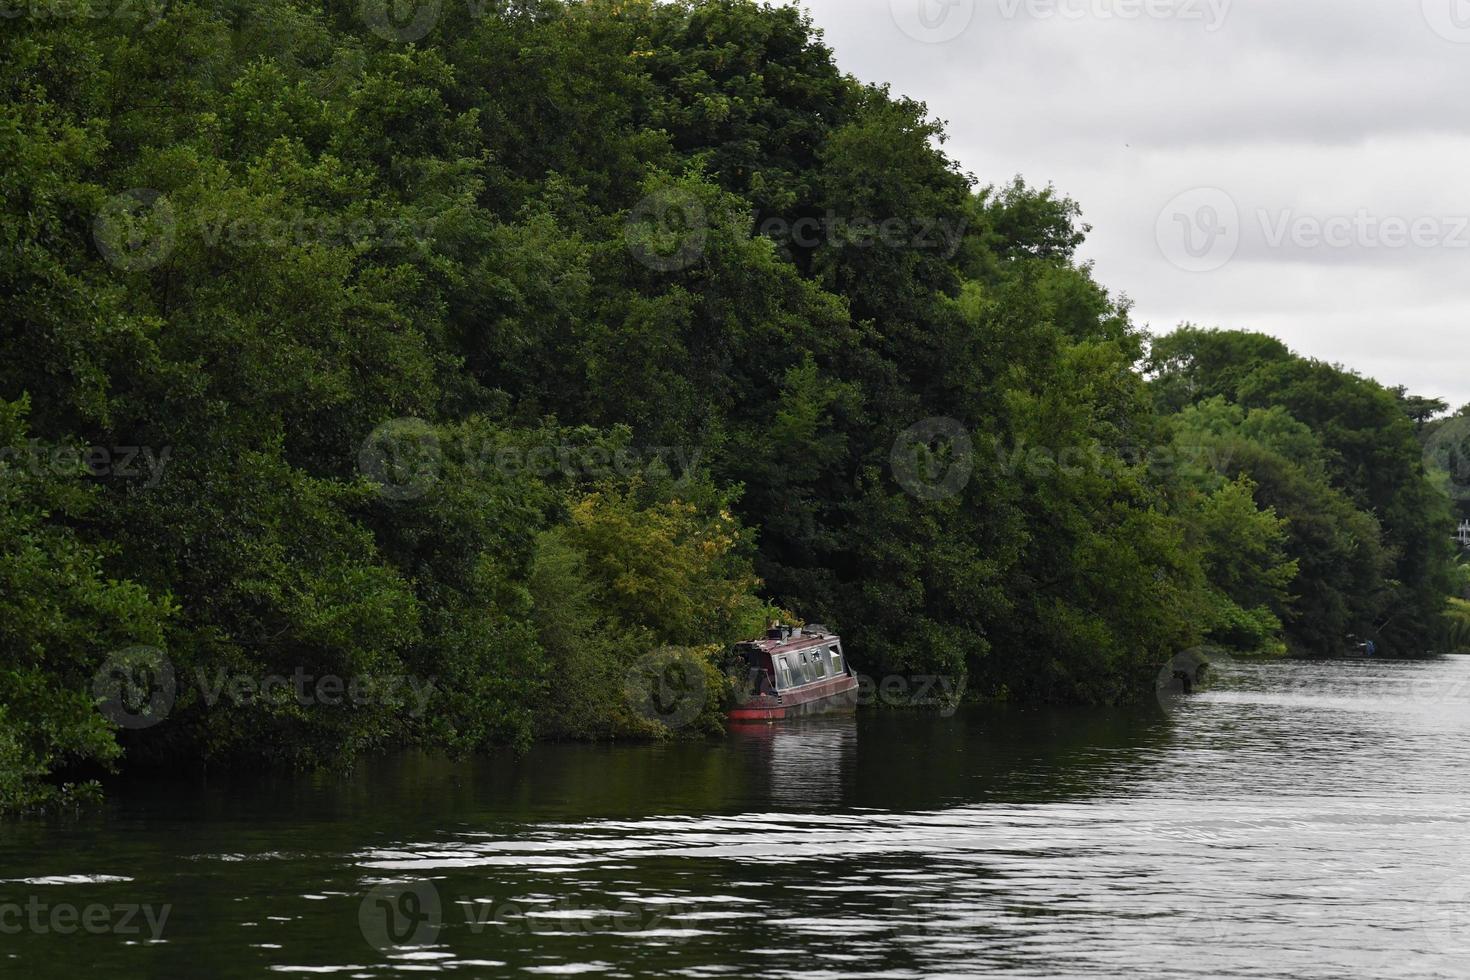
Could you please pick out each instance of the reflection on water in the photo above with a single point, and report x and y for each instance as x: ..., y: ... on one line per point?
x: 1297, y: 820
x: 807, y: 763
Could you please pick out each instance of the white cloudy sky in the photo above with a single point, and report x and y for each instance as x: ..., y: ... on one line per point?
x: 1346, y: 117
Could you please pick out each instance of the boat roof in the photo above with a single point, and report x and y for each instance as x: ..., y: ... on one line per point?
x: 796, y: 639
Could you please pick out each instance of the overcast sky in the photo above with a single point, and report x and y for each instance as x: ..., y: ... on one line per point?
x: 1297, y: 167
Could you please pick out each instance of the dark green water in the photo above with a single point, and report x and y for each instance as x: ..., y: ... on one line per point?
x: 1300, y: 820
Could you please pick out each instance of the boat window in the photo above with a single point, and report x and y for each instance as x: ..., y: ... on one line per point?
x: 819, y: 664
x: 783, y: 669
x: 836, y: 659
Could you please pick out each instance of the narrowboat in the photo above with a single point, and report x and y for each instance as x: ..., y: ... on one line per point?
x: 794, y: 671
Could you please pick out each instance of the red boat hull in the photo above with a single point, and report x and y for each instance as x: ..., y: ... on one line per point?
x: 833, y: 694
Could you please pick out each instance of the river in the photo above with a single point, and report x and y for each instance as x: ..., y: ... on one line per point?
x: 1298, y: 819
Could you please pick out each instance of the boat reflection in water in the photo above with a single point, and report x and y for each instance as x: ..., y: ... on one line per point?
x: 806, y: 762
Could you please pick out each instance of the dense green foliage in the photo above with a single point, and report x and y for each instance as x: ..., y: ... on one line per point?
x: 1338, y: 456
x: 503, y: 351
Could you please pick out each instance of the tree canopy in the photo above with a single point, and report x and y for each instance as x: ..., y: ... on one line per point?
x: 502, y: 347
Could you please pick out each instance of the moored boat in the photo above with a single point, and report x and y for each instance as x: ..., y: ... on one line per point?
x: 794, y: 671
